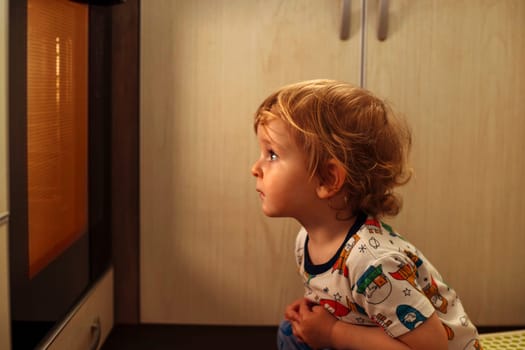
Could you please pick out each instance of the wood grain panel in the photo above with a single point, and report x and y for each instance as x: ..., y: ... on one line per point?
x: 208, y: 255
x: 455, y: 68
x: 125, y: 221
x: 5, y: 319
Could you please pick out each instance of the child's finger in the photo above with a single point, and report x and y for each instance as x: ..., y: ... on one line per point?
x: 292, y: 316
x: 304, y: 308
x: 297, y: 332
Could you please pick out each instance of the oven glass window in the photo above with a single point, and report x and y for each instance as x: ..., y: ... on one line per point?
x: 57, y: 128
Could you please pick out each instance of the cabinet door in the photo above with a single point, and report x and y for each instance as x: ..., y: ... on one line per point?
x: 455, y: 68
x: 208, y: 254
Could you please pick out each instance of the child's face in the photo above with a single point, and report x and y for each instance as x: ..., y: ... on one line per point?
x: 283, y: 182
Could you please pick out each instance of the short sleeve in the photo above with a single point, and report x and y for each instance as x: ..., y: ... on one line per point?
x: 299, y: 247
x: 388, y: 290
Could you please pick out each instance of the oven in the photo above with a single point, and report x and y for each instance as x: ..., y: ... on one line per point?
x: 59, y: 160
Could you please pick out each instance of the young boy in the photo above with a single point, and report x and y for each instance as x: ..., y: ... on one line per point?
x: 331, y: 155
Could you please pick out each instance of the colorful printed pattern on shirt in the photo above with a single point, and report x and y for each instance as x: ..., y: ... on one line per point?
x: 379, y: 278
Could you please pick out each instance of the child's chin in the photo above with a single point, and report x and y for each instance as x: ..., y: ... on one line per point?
x: 272, y: 213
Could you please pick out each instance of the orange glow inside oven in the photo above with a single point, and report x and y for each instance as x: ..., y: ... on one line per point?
x: 57, y: 128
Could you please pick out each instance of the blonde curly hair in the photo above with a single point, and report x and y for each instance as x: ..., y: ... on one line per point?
x: 335, y: 120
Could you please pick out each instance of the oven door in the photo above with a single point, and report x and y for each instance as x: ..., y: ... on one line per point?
x: 59, y: 197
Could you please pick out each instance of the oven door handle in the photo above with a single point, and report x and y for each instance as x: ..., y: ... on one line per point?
x: 95, y: 334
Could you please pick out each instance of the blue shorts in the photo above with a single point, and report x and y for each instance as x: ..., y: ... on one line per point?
x: 287, y: 341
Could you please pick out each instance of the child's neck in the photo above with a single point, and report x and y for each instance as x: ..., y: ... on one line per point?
x: 324, y: 239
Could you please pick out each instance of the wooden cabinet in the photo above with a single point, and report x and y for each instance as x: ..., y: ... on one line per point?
x: 455, y: 69
x: 209, y: 256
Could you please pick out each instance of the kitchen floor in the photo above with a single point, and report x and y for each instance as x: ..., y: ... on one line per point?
x: 173, y: 337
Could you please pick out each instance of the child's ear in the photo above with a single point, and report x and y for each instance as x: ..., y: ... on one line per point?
x: 332, y: 179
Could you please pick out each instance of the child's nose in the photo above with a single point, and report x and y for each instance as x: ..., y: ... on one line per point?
x: 256, y: 170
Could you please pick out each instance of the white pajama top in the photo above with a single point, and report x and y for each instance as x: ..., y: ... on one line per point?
x: 377, y: 278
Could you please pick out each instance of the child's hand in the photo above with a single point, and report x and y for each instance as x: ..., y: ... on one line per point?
x: 315, y: 326
x: 291, y: 313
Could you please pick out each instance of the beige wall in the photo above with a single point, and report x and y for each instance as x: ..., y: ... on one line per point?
x: 4, y: 296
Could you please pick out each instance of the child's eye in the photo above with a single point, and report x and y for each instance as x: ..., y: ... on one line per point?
x: 272, y: 155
